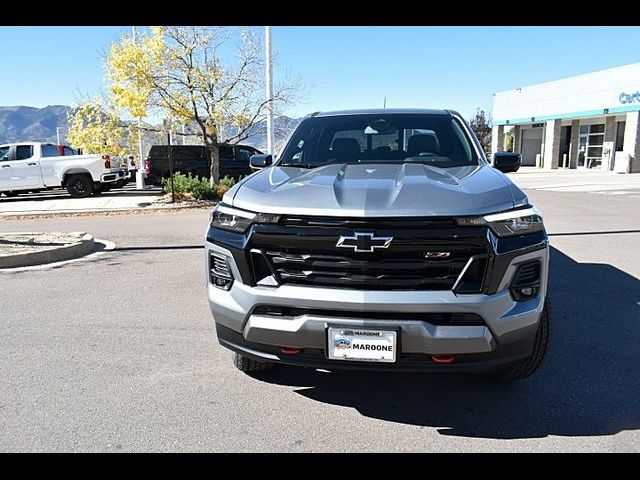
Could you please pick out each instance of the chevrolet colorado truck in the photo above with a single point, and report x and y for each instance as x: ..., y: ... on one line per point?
x: 381, y: 239
x: 35, y: 166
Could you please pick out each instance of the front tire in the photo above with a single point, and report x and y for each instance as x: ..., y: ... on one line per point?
x: 248, y: 365
x: 529, y: 365
x: 79, y: 186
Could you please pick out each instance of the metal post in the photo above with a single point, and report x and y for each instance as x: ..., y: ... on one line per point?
x: 173, y: 196
x: 184, y: 137
x: 269, y: 87
x: 141, y: 172
x: 58, y: 134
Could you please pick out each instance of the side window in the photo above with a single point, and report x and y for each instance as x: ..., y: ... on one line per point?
x: 23, y: 152
x: 244, y: 154
x: 226, y: 153
x: 49, y: 150
x: 4, y: 153
x: 69, y: 151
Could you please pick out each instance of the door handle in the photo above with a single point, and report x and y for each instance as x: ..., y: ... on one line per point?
x: 32, y: 164
x: 6, y: 166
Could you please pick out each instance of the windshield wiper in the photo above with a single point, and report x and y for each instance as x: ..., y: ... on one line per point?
x: 298, y: 165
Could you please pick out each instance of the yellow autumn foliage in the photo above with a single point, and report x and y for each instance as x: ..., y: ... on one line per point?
x: 97, y: 129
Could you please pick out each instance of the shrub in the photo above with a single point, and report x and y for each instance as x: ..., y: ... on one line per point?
x: 228, y: 181
x: 186, y: 187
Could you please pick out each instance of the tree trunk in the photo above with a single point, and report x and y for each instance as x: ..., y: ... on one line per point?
x: 214, y: 159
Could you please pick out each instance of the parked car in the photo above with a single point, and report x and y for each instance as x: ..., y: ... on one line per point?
x: 194, y: 159
x: 132, y: 167
x: 128, y: 163
x: 381, y: 239
x: 35, y: 166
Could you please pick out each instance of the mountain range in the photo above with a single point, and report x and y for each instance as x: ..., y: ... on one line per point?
x: 22, y: 123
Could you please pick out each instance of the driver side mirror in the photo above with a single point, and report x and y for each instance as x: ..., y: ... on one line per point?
x: 507, y: 162
x: 260, y: 161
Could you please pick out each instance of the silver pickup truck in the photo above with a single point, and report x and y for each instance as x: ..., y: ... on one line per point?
x: 381, y: 239
x: 36, y: 166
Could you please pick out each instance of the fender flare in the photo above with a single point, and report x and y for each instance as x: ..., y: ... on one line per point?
x: 74, y: 171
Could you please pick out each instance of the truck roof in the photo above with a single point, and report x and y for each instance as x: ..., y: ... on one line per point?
x: 382, y: 111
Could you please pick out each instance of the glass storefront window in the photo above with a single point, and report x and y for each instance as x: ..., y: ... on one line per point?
x: 590, y: 145
x: 620, y: 136
x: 596, y: 139
x: 594, y: 151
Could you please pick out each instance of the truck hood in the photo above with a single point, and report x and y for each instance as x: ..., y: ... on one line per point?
x: 376, y: 190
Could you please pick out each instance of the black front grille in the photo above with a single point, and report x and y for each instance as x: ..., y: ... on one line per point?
x: 425, y: 255
x: 402, y: 270
x: 435, y: 318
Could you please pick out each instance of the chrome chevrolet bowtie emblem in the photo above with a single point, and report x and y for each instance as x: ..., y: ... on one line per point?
x: 363, y: 242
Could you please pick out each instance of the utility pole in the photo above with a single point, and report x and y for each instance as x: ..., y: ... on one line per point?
x: 269, y: 81
x: 140, y: 174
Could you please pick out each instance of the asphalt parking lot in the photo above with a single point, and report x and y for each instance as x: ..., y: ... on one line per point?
x: 119, y: 354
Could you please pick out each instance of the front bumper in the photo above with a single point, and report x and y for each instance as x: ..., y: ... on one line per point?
x: 506, y: 336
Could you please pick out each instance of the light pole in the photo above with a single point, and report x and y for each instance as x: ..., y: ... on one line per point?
x: 269, y: 86
x: 140, y: 174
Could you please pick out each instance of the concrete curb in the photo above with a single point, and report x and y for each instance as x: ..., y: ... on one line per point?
x: 86, y: 213
x: 67, y: 252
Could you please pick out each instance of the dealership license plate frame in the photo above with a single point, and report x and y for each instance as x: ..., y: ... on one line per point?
x: 395, y: 333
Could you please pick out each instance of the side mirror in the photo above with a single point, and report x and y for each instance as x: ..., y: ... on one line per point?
x: 260, y: 161
x: 507, y: 162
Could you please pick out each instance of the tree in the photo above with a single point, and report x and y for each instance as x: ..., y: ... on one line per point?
x: 481, y: 126
x: 97, y: 128
x: 179, y: 73
x: 508, y: 141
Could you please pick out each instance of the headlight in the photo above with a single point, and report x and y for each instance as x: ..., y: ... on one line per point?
x: 507, y: 224
x: 235, y: 220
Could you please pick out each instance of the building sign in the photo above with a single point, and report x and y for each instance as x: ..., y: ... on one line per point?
x: 629, y: 97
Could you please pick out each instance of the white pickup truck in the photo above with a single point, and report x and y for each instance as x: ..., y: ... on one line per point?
x: 34, y: 166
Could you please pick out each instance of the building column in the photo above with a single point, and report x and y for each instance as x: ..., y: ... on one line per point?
x: 632, y: 140
x: 575, y: 139
x: 551, y: 146
x: 497, y: 139
x: 516, y: 138
x: 610, y: 136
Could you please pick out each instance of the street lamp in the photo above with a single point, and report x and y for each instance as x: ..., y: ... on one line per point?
x: 269, y: 88
x: 141, y: 172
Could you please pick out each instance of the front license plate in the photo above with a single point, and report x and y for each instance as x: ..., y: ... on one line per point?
x: 362, y: 345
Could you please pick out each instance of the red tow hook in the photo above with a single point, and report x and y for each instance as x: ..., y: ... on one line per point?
x: 290, y: 350
x: 443, y: 358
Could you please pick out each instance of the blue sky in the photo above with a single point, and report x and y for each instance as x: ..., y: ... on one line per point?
x: 343, y: 67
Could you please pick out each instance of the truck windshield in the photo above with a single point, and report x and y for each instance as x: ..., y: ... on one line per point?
x: 432, y: 139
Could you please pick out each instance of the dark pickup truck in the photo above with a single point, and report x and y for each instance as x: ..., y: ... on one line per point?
x: 194, y: 159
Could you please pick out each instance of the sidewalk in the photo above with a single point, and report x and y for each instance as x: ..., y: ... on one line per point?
x: 531, y: 178
x: 59, y: 201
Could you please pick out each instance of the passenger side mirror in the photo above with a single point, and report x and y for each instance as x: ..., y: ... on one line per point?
x: 260, y: 161
x: 507, y: 162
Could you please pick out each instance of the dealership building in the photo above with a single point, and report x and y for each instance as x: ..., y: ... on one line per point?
x: 589, y: 121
